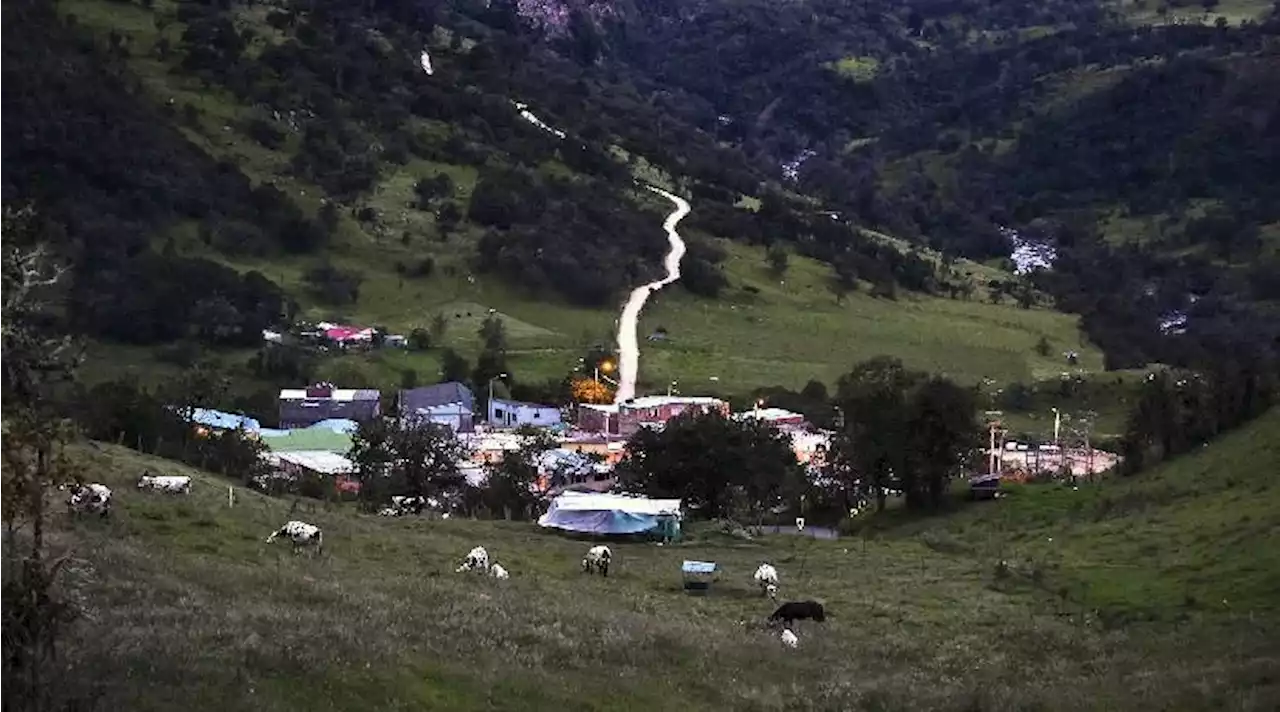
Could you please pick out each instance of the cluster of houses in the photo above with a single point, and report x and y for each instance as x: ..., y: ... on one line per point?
x: 317, y: 422
x: 342, y: 336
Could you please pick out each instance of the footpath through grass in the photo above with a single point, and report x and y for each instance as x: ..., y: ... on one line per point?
x: 191, y: 609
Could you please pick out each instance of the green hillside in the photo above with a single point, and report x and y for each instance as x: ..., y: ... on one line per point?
x: 1196, y: 536
x: 760, y: 329
x: 1154, y: 593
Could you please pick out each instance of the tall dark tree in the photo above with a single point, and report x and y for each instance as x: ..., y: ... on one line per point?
x: 37, y: 360
x: 868, y: 453
x: 408, y: 456
x: 509, y: 487
x: 943, y: 434
x: 719, y: 466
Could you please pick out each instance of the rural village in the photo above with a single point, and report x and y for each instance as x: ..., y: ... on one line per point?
x: 316, y: 423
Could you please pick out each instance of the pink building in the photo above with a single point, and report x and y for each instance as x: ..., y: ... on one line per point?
x: 624, y: 419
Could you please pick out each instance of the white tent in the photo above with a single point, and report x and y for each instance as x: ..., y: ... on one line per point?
x: 607, y: 513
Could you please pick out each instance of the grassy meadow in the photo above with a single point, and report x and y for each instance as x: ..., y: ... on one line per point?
x: 1153, y: 593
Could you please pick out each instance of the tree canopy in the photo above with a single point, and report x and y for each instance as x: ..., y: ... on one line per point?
x: 719, y: 466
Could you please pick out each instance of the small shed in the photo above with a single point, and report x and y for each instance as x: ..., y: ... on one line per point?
x: 698, y: 576
x: 984, y: 486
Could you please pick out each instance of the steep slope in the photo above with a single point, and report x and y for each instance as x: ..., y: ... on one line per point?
x: 191, y: 609
x: 1197, y: 536
x: 365, y: 188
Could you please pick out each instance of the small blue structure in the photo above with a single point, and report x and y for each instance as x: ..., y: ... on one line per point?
x: 984, y: 486
x: 698, y: 576
x: 221, y: 420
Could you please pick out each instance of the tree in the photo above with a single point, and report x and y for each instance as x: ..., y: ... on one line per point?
x: 510, y: 485
x: 1043, y: 347
x: 943, y: 434
x: 453, y: 367
x: 868, y: 452
x: 492, y: 361
x: 589, y: 390
x: 439, y: 326
x: 405, y: 455
x: 36, y: 609
x: 419, y: 339
x: 719, y: 466
x: 901, y: 430
x: 777, y: 257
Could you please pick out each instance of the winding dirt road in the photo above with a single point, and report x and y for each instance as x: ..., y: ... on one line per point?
x: 628, y: 346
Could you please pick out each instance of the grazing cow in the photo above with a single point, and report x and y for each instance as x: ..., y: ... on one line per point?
x: 168, y: 484
x: 766, y: 578
x: 789, y: 639
x: 597, y: 559
x: 792, y: 611
x: 94, y: 498
x: 477, y: 560
x: 301, y: 534
x: 498, y: 572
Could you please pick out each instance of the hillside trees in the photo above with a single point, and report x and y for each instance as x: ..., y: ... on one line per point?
x: 509, y: 486
x: 405, y: 455
x: 719, y: 466
x: 37, y: 606
x: 900, y: 429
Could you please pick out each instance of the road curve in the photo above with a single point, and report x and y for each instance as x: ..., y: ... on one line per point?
x: 628, y: 346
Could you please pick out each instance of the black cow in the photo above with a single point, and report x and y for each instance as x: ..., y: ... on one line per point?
x: 798, y: 611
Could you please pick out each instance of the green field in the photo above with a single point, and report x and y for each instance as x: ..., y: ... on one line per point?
x: 1156, y: 593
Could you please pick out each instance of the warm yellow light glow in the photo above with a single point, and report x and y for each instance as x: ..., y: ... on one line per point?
x: 606, y: 366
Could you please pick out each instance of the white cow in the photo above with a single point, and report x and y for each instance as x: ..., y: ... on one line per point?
x: 402, y: 505
x: 301, y: 534
x: 789, y: 639
x: 766, y: 577
x: 597, y: 559
x: 498, y: 572
x: 477, y: 559
x: 168, y: 484
x: 94, y: 498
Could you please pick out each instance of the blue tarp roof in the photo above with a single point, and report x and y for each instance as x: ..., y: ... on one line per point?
x: 699, y: 567
x: 335, y: 425
x: 223, y: 420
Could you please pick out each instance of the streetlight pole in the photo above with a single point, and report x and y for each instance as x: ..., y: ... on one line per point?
x: 489, y: 404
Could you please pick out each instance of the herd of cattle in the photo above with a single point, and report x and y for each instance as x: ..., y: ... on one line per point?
x: 96, y: 499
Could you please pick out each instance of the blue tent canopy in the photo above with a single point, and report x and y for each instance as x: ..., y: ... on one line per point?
x: 592, y: 513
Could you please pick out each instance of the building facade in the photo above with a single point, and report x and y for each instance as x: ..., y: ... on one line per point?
x: 505, y: 413
x: 303, y: 407
x: 655, y: 411
x: 450, y: 404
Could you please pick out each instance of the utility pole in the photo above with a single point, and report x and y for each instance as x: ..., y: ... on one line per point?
x: 994, y: 459
x: 1057, y: 425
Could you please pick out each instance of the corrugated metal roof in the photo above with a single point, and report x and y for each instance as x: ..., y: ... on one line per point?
x: 698, y: 567
x: 439, y: 394
x: 338, y: 394
x: 658, y: 401
x: 328, y: 463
